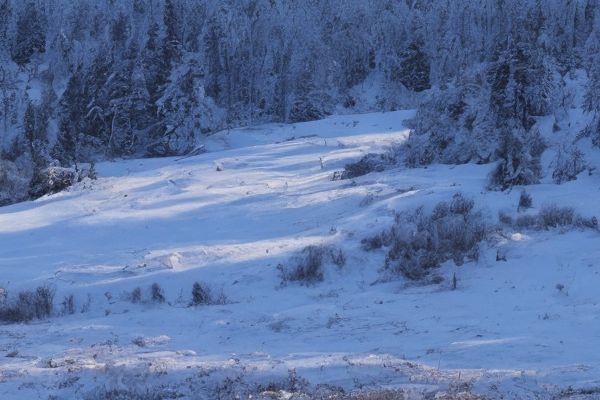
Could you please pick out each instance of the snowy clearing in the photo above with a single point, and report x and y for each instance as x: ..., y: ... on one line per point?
x: 526, y: 327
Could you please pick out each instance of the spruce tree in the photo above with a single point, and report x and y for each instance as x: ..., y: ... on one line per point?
x: 591, y: 99
x: 212, y: 41
x: 72, y: 110
x: 171, y: 43
x: 155, y: 67
x: 5, y: 15
x: 30, y: 36
x: 309, y: 102
x: 414, y: 68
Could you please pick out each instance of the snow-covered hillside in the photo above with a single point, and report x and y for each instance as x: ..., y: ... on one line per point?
x: 526, y: 327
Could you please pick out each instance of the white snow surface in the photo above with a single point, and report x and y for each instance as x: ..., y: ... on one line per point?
x: 228, y: 217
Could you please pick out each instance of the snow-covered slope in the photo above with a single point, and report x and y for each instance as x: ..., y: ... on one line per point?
x: 522, y: 328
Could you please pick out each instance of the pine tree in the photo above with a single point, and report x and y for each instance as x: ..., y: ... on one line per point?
x: 119, y: 30
x: 35, y: 132
x: 171, y: 43
x: 591, y: 99
x: 141, y: 107
x: 212, y: 41
x: 72, y: 110
x: 184, y: 112
x: 522, y: 86
x: 5, y: 16
x: 8, y: 89
x: 413, y: 71
x: 309, y: 101
x: 117, y: 104
x: 30, y: 37
x: 156, y: 69
x: 29, y: 125
x: 519, y: 154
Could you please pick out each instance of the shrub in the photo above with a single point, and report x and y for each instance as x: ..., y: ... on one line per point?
x: 583, y: 222
x: 55, y: 179
x: 29, y: 304
x: 552, y: 216
x: 372, y: 243
x: 461, y: 205
x: 200, y: 294
x: 292, y: 384
x: 68, y: 305
x: 129, y: 394
x: 337, y: 257
x: 157, y: 293
x: 505, y: 218
x: 87, y: 305
x: 43, y: 301
x: 307, y: 267
x: 527, y: 222
x: 441, y: 210
x: 369, y: 163
x: 136, y: 295
x: 310, y: 104
x: 422, y: 242
x: 139, y: 341
x: 525, y: 201
x: 51, y: 180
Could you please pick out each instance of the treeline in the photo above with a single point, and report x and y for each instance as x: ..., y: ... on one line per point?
x: 94, y: 79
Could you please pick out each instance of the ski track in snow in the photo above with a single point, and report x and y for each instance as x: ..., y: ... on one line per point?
x: 507, y: 328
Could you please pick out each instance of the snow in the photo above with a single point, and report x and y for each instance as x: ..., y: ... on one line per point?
x: 508, y: 328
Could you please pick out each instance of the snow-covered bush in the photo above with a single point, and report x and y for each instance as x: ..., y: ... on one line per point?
x: 372, y: 243
x: 136, y: 295
x: 519, y: 155
x: 585, y: 222
x: 307, y: 267
x: 157, y: 293
x: 54, y: 179
x: 293, y: 383
x: 68, y: 305
x: 525, y: 201
x: 420, y: 242
x: 505, y: 218
x: 51, y: 180
x: 568, y: 163
x: 552, y: 216
x: 129, y: 394
x: 310, y: 104
x: 28, y: 305
x: 171, y: 143
x: 527, y: 222
x: 368, y: 163
x: 202, y: 294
